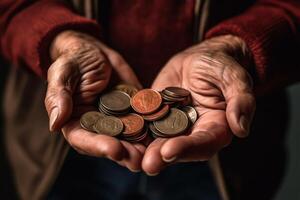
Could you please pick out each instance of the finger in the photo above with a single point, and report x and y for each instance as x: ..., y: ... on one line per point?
x: 152, y: 162
x: 240, y: 100
x: 61, y: 84
x: 209, y: 134
x: 122, y: 68
x: 93, y: 144
x: 133, y: 157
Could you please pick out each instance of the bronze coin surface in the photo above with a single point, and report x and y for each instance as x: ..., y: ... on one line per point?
x: 173, y: 124
x: 146, y: 101
x: 128, y: 89
x: 109, y: 125
x: 115, y: 101
x: 88, y: 119
x: 191, y: 113
x: 133, y: 124
x: 176, y: 92
x: 157, y: 115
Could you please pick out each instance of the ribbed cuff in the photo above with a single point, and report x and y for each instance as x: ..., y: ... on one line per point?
x: 31, y: 31
x: 265, y: 30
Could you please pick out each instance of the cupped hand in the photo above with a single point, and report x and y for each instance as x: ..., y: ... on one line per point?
x: 221, y: 90
x: 80, y: 72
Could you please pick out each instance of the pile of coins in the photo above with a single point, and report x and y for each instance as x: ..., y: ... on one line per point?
x: 130, y: 114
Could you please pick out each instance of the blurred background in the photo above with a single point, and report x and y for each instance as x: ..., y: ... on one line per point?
x: 290, y: 189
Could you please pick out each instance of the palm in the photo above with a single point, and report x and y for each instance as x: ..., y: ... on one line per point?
x: 210, y: 105
x: 220, y: 92
x: 81, y: 71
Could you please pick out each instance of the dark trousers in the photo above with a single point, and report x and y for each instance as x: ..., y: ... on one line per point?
x: 90, y: 178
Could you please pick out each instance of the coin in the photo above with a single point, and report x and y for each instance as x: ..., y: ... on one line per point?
x: 191, y: 113
x: 173, y: 124
x: 128, y: 89
x: 176, y: 92
x: 88, y: 119
x: 109, y: 112
x: 115, y: 101
x: 171, y: 98
x: 133, y: 124
x: 157, y: 115
x: 143, y: 134
x: 146, y: 101
x: 109, y: 125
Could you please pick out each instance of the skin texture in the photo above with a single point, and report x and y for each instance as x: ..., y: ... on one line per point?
x: 81, y: 70
x: 214, y: 71
x: 221, y: 91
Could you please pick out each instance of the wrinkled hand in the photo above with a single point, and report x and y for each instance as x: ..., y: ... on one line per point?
x: 221, y: 91
x: 81, y: 70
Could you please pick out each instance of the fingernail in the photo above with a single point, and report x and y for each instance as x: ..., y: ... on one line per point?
x: 53, y: 117
x: 168, y: 160
x: 154, y: 174
x: 135, y: 170
x: 244, y: 124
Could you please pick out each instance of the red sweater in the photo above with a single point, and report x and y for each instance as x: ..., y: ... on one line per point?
x: 147, y: 35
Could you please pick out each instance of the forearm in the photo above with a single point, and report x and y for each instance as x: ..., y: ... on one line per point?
x: 27, y: 30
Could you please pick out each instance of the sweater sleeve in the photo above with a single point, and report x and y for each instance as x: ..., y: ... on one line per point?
x: 271, y: 30
x: 28, y: 27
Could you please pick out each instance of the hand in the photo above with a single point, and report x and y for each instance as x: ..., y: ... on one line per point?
x: 81, y: 70
x: 221, y: 91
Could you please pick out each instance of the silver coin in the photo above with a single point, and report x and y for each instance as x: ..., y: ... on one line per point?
x: 191, y: 113
x: 88, y: 119
x: 109, y: 125
x: 173, y: 124
x: 115, y: 101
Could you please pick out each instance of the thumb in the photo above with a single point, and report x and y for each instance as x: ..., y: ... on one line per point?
x: 240, y: 100
x: 168, y: 76
x: 62, y: 80
x: 122, y: 68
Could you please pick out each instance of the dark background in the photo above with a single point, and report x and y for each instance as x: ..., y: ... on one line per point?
x: 290, y: 189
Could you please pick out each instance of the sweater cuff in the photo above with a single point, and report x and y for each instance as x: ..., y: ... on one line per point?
x: 266, y: 31
x: 32, y: 30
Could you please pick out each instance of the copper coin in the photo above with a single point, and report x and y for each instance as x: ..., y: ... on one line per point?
x: 176, y: 92
x: 146, y: 101
x: 115, y: 101
x: 157, y: 115
x: 109, y: 125
x: 133, y: 123
x: 88, y: 119
x: 129, y: 89
x: 173, y: 124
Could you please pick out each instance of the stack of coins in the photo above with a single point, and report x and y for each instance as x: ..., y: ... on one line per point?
x: 100, y: 123
x: 115, y: 103
x: 131, y: 114
x: 173, y: 95
x: 135, y: 129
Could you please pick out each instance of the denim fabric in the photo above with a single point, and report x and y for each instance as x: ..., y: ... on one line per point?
x: 90, y: 178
